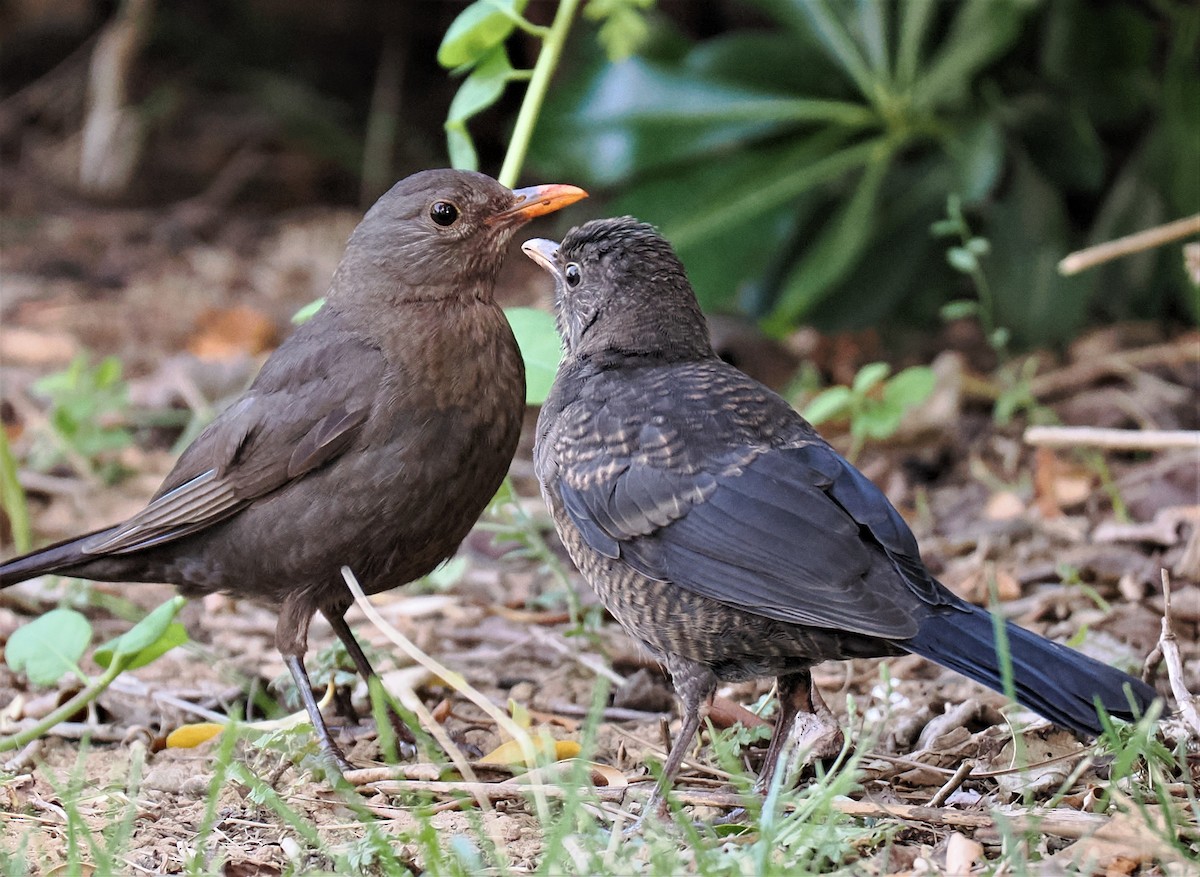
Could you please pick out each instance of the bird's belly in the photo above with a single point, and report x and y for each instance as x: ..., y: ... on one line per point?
x: 390, y: 513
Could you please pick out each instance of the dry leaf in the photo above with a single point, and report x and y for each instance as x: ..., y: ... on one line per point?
x: 1120, y: 845
x: 961, y: 855
x: 510, y: 751
x: 1058, y: 484
x: 1004, y: 505
x: 189, y: 736
x: 19, y: 346
x: 224, y: 333
x: 725, y: 713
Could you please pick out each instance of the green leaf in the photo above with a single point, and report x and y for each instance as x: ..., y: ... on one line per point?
x: 49, y: 646
x: 483, y: 87
x: 767, y: 193
x: 827, y: 405
x: 962, y: 259
x: 307, y: 312
x: 910, y: 387
x: 540, y: 348
x: 978, y: 157
x: 477, y: 29
x: 146, y: 640
x: 914, y: 24
x: 843, y: 242
x: 479, y: 91
x: 640, y: 115
x: 982, y: 30
x: 869, y: 377
x: 461, y: 148
x: 959, y: 309
x: 877, y: 421
x: 841, y: 47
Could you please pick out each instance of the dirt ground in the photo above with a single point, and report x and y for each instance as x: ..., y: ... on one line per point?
x: 191, y: 315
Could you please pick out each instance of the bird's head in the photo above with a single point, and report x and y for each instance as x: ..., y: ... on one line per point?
x: 619, y: 286
x: 440, y: 234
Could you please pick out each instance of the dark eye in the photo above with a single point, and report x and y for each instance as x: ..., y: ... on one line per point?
x: 443, y: 213
x: 572, y: 274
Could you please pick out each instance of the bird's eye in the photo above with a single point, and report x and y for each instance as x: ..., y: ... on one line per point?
x: 443, y: 213
x: 572, y: 274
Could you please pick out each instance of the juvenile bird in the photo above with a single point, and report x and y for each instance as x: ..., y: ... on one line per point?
x: 373, y: 437
x: 724, y: 533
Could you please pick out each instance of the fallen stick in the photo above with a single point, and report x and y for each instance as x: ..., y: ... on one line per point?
x: 1081, y: 260
x: 1169, y: 648
x: 1112, y: 439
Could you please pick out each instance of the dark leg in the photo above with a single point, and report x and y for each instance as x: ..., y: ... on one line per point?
x: 296, y: 664
x: 338, y: 622
x: 695, y: 684
x: 800, y: 709
x: 291, y: 638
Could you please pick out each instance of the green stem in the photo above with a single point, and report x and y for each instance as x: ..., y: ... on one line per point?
x: 68, y: 709
x: 535, y: 95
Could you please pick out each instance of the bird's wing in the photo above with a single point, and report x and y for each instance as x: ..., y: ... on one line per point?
x: 795, y: 534
x: 303, y: 411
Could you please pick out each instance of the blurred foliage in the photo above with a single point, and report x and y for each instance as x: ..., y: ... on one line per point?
x: 89, y: 408
x: 874, y: 403
x: 798, y: 166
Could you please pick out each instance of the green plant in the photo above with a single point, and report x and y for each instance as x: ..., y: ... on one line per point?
x: 12, y: 497
x: 965, y: 258
x: 52, y: 644
x: 874, y: 403
x: 89, y: 408
x: 796, y: 166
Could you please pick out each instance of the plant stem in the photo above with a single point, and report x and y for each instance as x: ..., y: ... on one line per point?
x: 535, y: 95
x: 64, y: 712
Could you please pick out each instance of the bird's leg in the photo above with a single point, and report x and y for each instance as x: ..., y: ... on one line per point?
x: 817, y: 730
x: 291, y: 638
x: 337, y: 621
x: 695, y: 685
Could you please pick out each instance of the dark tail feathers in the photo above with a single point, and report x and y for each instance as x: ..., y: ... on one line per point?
x: 1051, y: 679
x: 59, y: 557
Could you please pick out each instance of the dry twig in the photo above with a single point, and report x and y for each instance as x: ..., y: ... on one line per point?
x: 1112, y: 439
x: 1168, y: 650
x: 1081, y: 260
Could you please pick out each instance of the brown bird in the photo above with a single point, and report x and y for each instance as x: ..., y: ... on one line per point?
x: 373, y: 437
x: 725, y: 534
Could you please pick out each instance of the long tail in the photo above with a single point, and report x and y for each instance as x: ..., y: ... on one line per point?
x: 1051, y: 679
x: 59, y: 557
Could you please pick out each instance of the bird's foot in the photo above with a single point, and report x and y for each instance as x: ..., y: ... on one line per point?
x: 334, y: 763
x: 655, y: 809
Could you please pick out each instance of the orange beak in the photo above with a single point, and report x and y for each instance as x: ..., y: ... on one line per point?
x: 535, y: 201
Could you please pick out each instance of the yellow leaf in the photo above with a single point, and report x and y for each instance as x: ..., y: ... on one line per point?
x: 187, y: 736
x: 510, y: 752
